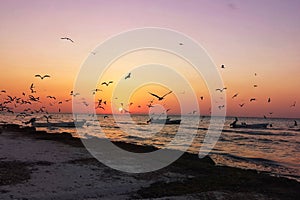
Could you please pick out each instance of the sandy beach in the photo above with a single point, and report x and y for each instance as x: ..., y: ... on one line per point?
x: 38, y: 165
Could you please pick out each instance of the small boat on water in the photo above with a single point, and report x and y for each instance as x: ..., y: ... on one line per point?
x: 164, y: 121
x: 250, y: 126
x: 59, y: 124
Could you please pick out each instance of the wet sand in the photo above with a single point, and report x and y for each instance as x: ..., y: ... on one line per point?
x: 38, y: 165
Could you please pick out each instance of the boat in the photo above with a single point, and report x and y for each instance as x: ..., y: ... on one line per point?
x: 72, y: 124
x: 250, y: 126
x: 164, y: 121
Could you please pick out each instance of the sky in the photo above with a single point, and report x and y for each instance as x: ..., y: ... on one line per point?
x: 248, y: 37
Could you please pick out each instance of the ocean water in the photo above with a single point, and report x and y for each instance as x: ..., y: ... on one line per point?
x: 275, y: 150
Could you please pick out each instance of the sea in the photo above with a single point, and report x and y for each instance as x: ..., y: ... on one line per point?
x: 275, y: 150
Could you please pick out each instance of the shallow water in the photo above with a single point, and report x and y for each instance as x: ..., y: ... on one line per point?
x: 275, y: 150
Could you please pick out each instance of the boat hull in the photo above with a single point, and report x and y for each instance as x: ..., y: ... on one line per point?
x: 250, y: 126
x: 165, y: 121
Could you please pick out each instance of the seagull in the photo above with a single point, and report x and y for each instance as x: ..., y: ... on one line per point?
x: 74, y: 94
x: 255, y: 74
x: 51, y: 97
x: 32, y: 98
x: 158, y: 97
x: 221, y: 90
x: 180, y: 43
x: 3, y: 91
x: 241, y: 105
x: 223, y: 66
x: 269, y: 100
x: 252, y: 99
x: 150, y: 105
x: 220, y: 107
x: 47, y: 117
x: 94, y: 53
x: 105, y: 83
x: 294, y: 104
x: 128, y: 76
x: 255, y: 85
x: 42, y: 77
x: 32, y: 88
x: 235, y: 95
x: 201, y: 97
x: 66, y: 38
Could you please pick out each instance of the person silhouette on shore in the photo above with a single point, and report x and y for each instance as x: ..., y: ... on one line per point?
x: 31, y: 121
x: 295, y: 123
x: 234, y: 122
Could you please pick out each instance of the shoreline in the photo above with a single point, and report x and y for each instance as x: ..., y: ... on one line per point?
x: 189, y: 176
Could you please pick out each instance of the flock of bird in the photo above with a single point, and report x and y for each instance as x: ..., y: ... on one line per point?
x: 31, y: 101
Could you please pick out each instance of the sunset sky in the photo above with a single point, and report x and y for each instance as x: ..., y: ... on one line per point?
x: 248, y: 37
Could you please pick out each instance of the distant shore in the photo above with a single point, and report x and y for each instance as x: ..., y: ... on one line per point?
x: 34, y: 163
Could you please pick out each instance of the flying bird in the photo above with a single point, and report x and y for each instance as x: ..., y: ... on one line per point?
x: 128, y: 76
x: 74, y: 94
x: 42, y: 77
x: 235, y: 95
x: 269, y: 100
x: 223, y: 66
x: 252, y: 99
x: 221, y: 90
x: 105, y: 83
x: 201, y: 97
x: 241, y: 105
x: 255, y: 85
x: 180, y: 43
x: 51, y: 97
x: 158, y: 97
x: 66, y: 38
x: 294, y: 104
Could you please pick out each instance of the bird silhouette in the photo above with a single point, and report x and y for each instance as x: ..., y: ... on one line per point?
x: 223, y: 66
x: 294, y: 104
x: 241, y: 105
x: 74, y: 94
x: 252, y: 99
x: 67, y: 38
x: 160, y: 97
x: 269, y: 100
x: 255, y: 85
x: 42, y: 77
x: 51, y: 97
x: 221, y: 89
x: 128, y: 76
x: 235, y: 95
x: 106, y: 83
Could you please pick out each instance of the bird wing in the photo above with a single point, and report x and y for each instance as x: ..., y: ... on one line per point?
x: 154, y: 95
x: 37, y: 75
x: 70, y: 39
x: 46, y: 76
x: 167, y: 94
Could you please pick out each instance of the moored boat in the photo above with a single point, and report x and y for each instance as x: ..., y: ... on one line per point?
x: 250, y: 126
x: 164, y: 121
